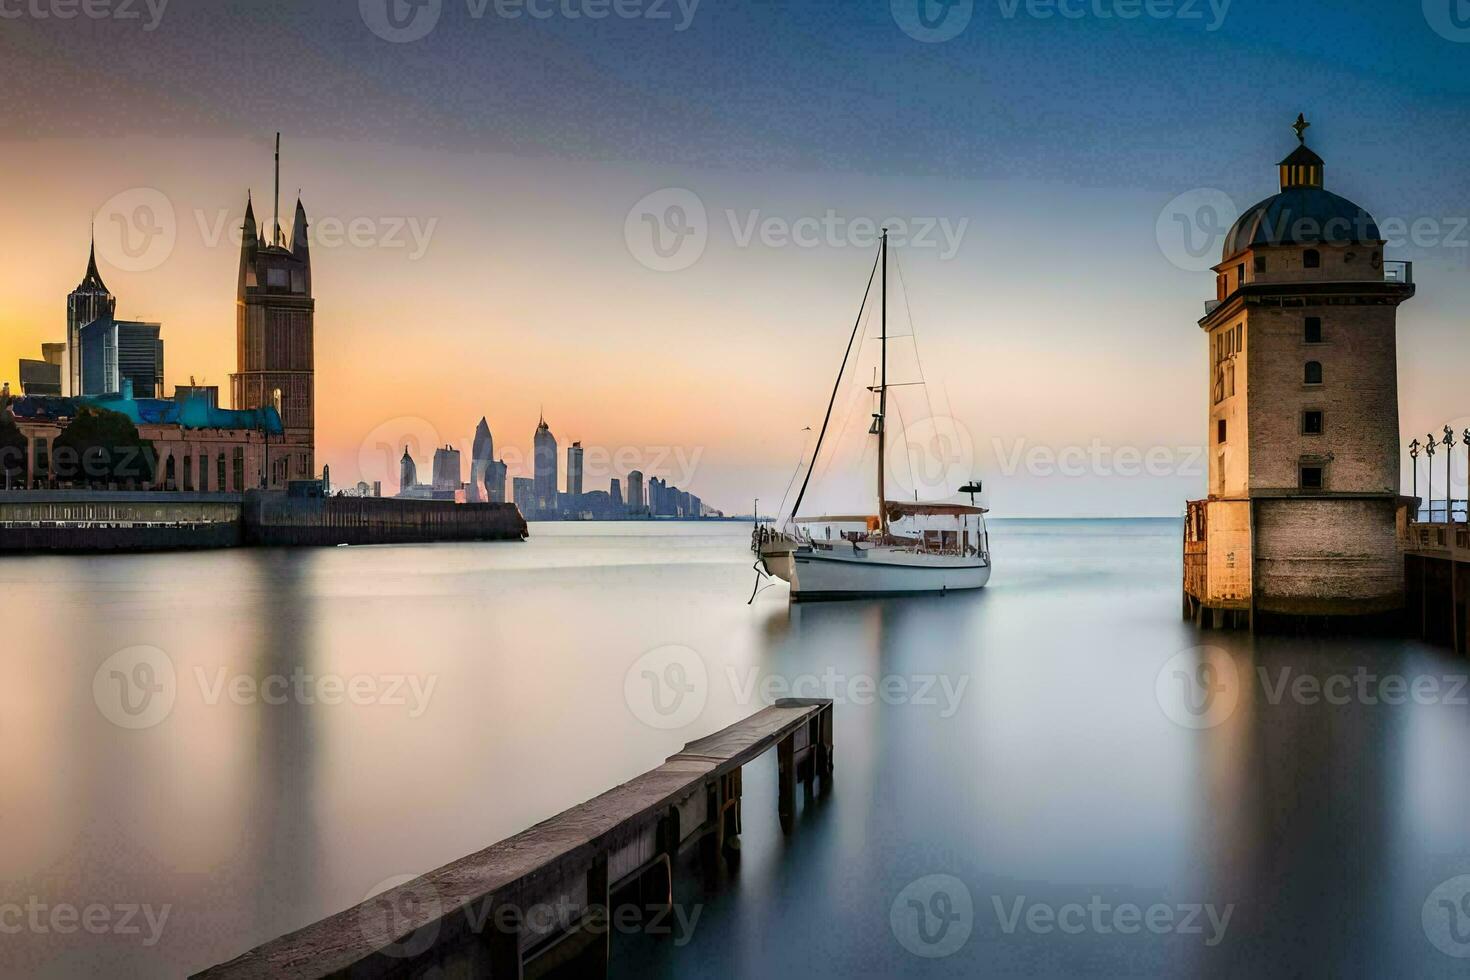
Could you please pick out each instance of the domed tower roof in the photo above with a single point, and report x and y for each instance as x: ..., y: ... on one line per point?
x: 1304, y: 213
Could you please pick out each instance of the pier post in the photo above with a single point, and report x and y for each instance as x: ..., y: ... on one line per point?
x: 786, y: 780
x: 503, y: 944
x: 598, y: 921
x: 824, y: 744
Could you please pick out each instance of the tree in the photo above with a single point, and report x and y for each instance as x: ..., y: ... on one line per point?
x: 100, y: 447
x: 12, y: 452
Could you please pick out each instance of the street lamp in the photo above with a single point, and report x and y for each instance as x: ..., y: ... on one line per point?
x: 1429, y: 448
x: 1414, y: 457
x: 1449, y: 484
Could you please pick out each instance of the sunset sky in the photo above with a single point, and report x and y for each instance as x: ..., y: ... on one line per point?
x: 481, y: 199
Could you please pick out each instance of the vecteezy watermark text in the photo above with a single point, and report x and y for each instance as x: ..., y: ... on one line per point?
x: 1098, y: 916
x: 406, y: 21
x: 40, y: 917
x: 932, y: 21
x: 119, y: 10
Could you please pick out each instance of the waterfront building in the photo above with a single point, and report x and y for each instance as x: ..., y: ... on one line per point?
x: 544, y: 460
x: 635, y: 492
x: 44, y: 376
x: 196, y: 447
x: 574, y: 470
x: 447, y: 470
x: 1303, y: 508
x: 114, y: 351
x: 274, y: 340
x: 89, y: 301
x: 524, y: 490
x: 615, y: 494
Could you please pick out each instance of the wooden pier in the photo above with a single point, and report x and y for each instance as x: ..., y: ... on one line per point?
x: 543, y: 900
x: 1437, y: 584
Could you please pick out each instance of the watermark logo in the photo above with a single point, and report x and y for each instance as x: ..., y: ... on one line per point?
x: 932, y: 21
x: 1449, y: 18
x: 933, y: 916
x: 667, y: 687
x: 1198, y: 688
x: 931, y: 457
x: 1191, y: 229
x: 136, y: 229
x: 1097, y: 458
x: 135, y: 688
x: 1446, y: 917
x: 668, y: 230
x: 401, y: 21
x: 390, y: 909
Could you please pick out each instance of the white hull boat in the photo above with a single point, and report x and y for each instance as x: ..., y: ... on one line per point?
x: 908, y: 548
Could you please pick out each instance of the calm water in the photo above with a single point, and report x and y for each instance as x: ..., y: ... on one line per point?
x: 1043, y: 788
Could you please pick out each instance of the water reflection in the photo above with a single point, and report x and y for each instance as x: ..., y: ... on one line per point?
x: 1010, y: 743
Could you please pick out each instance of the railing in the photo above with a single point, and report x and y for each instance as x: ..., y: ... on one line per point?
x: 1401, y: 272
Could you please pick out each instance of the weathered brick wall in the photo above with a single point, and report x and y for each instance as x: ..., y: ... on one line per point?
x: 1324, y: 556
x: 1358, y: 396
x: 1230, y: 553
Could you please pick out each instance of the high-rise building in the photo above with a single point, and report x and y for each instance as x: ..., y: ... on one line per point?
x: 43, y: 377
x: 524, y: 488
x: 574, y: 470
x: 1301, y: 518
x: 615, y: 493
x: 447, y: 471
x: 113, y: 351
x: 274, y: 339
x: 636, y: 504
x: 495, y: 481
x: 86, y: 303
x: 408, y: 473
x: 544, y: 453
x: 482, y: 454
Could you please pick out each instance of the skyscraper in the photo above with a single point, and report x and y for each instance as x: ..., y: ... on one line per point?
x: 615, y: 493
x: 574, y: 469
x: 447, y: 470
x: 544, y: 452
x: 495, y: 482
x: 482, y: 454
x: 408, y: 474
x: 113, y: 351
x: 86, y: 303
x: 524, y: 488
x: 635, y: 492
x: 274, y: 338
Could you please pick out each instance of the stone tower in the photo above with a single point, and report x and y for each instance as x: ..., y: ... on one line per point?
x: 1302, y: 515
x: 274, y: 340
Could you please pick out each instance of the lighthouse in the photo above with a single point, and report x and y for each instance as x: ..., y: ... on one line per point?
x: 1303, y: 508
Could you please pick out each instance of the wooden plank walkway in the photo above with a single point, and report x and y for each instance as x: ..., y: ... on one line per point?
x: 473, y: 917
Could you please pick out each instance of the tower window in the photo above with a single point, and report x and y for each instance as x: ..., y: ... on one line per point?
x: 1312, y: 476
x: 1314, y: 330
x: 1312, y: 259
x: 1312, y: 422
x: 1240, y: 274
x: 1260, y: 264
x: 1313, y: 373
x: 1220, y: 431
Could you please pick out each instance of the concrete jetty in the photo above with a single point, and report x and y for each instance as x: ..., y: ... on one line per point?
x: 544, y: 898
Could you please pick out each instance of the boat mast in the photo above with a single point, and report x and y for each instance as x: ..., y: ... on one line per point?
x: 881, y: 423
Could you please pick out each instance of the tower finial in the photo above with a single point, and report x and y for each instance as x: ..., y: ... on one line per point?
x: 1301, y: 126
x: 276, y: 240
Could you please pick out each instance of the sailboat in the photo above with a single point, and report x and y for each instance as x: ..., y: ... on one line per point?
x: 906, y: 548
